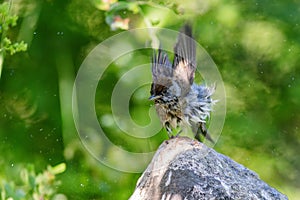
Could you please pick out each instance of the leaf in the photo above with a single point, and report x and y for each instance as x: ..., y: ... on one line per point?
x: 133, y: 7
x: 58, y: 169
x: 9, y: 189
x: 6, y: 42
x: 32, y: 182
x: 118, y: 6
x: 104, y: 4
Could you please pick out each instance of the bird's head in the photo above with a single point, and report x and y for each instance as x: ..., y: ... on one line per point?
x: 157, y: 91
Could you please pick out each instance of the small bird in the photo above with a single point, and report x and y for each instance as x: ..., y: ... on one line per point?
x: 178, y: 100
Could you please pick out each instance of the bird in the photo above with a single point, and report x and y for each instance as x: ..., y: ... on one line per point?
x: 178, y: 100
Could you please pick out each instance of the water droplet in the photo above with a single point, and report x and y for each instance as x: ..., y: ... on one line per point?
x: 293, y: 78
x: 81, y: 185
x: 41, y: 129
x: 289, y: 85
x: 34, y: 33
x: 12, y: 164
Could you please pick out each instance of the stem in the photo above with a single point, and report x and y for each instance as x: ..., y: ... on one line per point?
x: 151, y: 30
x: 3, y: 35
x: 64, y: 66
x: 1, y: 61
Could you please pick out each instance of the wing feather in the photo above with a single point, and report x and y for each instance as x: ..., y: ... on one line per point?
x: 184, y: 63
x: 161, y: 66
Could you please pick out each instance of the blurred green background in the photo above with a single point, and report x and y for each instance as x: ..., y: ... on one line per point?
x: 255, y: 44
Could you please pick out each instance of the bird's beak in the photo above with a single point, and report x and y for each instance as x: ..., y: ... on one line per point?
x: 153, y: 97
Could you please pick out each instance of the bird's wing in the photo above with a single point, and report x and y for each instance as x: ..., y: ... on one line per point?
x: 161, y: 67
x: 184, y: 64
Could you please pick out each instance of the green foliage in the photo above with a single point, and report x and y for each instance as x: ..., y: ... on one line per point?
x: 31, y: 186
x: 13, y: 48
x: 8, y: 21
x: 120, y: 13
x: 255, y: 45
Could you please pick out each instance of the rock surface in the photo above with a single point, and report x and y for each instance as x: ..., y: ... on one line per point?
x: 185, y: 169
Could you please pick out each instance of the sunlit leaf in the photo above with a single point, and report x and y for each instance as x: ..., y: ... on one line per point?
x: 58, y: 169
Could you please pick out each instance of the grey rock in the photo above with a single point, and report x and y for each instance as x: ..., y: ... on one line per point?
x: 189, y: 170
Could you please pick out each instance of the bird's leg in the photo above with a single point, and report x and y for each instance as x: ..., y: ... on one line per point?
x: 197, y: 136
x: 203, y: 130
x: 169, y: 130
x: 178, y: 122
x: 178, y: 133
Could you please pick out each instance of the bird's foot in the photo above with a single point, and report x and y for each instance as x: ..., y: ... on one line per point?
x: 178, y: 133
